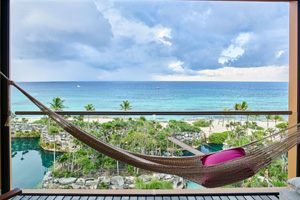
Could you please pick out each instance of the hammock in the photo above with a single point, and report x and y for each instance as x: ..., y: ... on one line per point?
x: 258, y: 154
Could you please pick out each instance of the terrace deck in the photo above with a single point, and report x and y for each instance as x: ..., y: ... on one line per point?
x: 150, y: 197
x: 201, y: 194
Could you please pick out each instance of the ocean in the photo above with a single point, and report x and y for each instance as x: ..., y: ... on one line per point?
x: 155, y: 96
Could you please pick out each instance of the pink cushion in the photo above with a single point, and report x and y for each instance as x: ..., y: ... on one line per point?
x: 223, y: 156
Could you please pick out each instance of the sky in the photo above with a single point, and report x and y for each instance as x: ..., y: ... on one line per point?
x: 148, y: 40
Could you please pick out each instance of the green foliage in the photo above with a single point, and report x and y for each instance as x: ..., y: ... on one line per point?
x: 275, y: 118
x: 130, y: 169
x: 43, y: 121
x: 202, y: 123
x: 218, y: 138
x: 275, y: 175
x: 153, y: 184
x: 57, y: 104
x: 258, y: 135
x: 182, y: 126
x: 27, y: 134
x: 282, y: 125
x: 125, y: 105
x: 252, y: 125
x: 103, y: 186
x: 90, y: 107
x: 63, y: 174
x: 241, y: 106
x: 278, y: 118
x: 50, y: 146
x: 150, y: 137
x: 53, y: 129
x: 142, y: 118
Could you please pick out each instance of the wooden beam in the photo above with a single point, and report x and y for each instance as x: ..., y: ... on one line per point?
x: 136, y: 192
x: 298, y: 96
x: 293, y: 82
x: 4, y: 100
x: 11, y: 194
x: 191, y: 113
x: 185, y: 146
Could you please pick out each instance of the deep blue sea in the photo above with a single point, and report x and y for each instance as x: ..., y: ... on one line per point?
x: 165, y: 96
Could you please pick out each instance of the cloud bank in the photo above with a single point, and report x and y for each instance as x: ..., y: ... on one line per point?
x: 149, y: 40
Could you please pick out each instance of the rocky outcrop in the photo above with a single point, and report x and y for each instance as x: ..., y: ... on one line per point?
x: 108, y: 182
x: 63, y: 141
x: 117, y: 182
x: 66, y: 181
x: 187, y: 137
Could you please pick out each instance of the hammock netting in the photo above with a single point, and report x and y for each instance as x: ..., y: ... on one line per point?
x: 259, y: 154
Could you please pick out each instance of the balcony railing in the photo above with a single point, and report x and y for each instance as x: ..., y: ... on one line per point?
x: 199, y: 113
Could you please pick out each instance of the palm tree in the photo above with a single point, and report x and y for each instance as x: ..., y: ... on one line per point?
x: 277, y: 118
x: 89, y: 107
x: 241, y: 107
x: 269, y: 117
x: 125, y: 105
x: 237, y: 107
x: 244, y: 106
x: 57, y: 104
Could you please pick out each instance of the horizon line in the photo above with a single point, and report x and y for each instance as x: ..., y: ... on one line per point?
x: 229, y: 81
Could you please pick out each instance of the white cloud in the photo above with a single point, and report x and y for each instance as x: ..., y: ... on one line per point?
x: 264, y: 73
x: 242, y: 39
x: 176, y: 66
x: 132, y: 28
x: 279, y: 53
x: 235, y: 50
x: 163, y: 35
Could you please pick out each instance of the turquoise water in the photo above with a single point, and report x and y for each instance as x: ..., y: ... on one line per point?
x: 165, y: 96
x: 206, y: 148
x: 29, y: 163
x: 193, y: 185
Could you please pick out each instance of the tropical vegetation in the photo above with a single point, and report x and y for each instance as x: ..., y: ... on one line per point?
x: 150, y: 137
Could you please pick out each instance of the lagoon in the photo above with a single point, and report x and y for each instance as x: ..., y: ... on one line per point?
x: 29, y: 163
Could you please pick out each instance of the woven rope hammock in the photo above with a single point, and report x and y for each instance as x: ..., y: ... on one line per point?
x: 259, y: 154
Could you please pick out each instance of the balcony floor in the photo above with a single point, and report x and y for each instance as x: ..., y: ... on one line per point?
x: 150, y: 197
x: 206, y: 194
